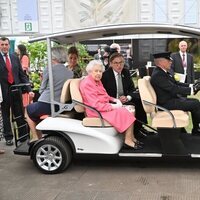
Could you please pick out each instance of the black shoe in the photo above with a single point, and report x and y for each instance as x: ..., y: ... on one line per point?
x: 9, y: 142
x: 139, y: 142
x: 136, y: 147
x: 196, y: 132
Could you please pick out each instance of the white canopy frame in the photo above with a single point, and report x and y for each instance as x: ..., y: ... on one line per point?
x: 69, y: 37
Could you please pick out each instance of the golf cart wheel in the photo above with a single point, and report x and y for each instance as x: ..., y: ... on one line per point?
x: 52, y: 155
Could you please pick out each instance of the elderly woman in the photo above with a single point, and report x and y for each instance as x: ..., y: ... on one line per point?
x: 95, y: 95
x: 43, y: 107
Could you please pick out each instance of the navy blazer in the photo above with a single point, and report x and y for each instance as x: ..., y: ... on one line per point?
x: 177, y: 66
x: 18, y: 74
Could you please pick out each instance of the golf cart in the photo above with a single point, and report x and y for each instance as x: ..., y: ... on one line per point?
x: 66, y: 134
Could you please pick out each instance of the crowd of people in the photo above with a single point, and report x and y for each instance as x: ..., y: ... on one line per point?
x: 108, y: 87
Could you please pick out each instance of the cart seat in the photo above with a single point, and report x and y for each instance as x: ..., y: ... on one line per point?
x: 160, y: 119
x: 80, y: 107
x: 64, y: 98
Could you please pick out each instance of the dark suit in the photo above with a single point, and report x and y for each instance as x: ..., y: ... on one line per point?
x: 109, y: 83
x: 177, y: 66
x: 169, y: 95
x: 19, y: 77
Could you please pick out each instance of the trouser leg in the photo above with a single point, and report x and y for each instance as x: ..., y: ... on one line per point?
x: 5, y: 108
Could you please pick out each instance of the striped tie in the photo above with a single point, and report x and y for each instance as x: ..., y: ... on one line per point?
x: 120, y: 90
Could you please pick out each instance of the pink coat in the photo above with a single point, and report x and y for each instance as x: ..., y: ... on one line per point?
x: 95, y: 95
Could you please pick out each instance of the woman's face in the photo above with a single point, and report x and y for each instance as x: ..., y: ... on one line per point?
x: 72, y: 60
x: 18, y: 51
x: 96, y: 72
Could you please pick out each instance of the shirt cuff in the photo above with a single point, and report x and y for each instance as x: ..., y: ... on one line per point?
x: 192, y: 91
x: 129, y: 97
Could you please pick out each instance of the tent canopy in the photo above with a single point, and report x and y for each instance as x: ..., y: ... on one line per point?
x: 79, y: 35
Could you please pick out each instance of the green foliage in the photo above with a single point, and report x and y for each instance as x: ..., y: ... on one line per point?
x: 38, y: 55
x: 197, y: 65
x: 38, y: 60
x: 36, y: 80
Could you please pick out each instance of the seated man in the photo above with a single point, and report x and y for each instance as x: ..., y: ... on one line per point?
x: 170, y: 92
x: 124, y: 89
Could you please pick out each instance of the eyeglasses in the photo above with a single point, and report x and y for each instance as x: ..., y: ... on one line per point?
x: 118, y: 63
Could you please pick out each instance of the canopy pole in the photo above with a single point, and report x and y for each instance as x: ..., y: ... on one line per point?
x: 50, y: 75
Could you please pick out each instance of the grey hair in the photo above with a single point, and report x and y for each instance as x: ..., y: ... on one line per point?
x: 158, y: 60
x: 93, y: 63
x: 59, y: 54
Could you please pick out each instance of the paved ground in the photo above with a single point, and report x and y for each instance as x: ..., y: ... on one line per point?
x: 99, y: 180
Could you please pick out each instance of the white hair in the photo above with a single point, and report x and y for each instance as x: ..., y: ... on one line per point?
x: 93, y: 63
x: 115, y: 46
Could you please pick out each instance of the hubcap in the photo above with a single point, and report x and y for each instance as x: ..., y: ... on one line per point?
x: 49, y: 157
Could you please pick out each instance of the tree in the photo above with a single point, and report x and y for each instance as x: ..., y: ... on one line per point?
x: 38, y: 55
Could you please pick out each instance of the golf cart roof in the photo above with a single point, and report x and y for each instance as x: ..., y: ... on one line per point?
x: 83, y: 34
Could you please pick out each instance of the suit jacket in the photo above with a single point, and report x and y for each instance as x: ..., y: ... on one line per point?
x: 167, y: 88
x: 60, y: 75
x: 177, y: 66
x: 18, y: 74
x: 109, y: 83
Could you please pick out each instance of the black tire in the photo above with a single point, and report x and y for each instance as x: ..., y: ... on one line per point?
x: 52, y: 155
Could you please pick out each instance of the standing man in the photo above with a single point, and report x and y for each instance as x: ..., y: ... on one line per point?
x: 118, y: 84
x: 10, y: 73
x: 182, y: 63
x: 170, y: 92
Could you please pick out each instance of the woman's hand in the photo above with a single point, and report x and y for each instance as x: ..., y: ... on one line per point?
x: 117, y: 101
x: 117, y: 105
x: 114, y: 106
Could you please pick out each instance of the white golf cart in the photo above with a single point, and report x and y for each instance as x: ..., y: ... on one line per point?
x: 66, y: 134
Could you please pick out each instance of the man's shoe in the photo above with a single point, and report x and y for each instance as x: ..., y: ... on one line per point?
x: 2, y: 151
x: 196, y: 132
x: 9, y: 142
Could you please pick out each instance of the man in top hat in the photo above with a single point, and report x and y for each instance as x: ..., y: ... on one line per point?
x: 170, y: 92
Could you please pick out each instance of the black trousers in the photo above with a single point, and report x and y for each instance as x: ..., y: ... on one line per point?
x: 13, y: 101
x: 140, y: 114
x: 5, y: 109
